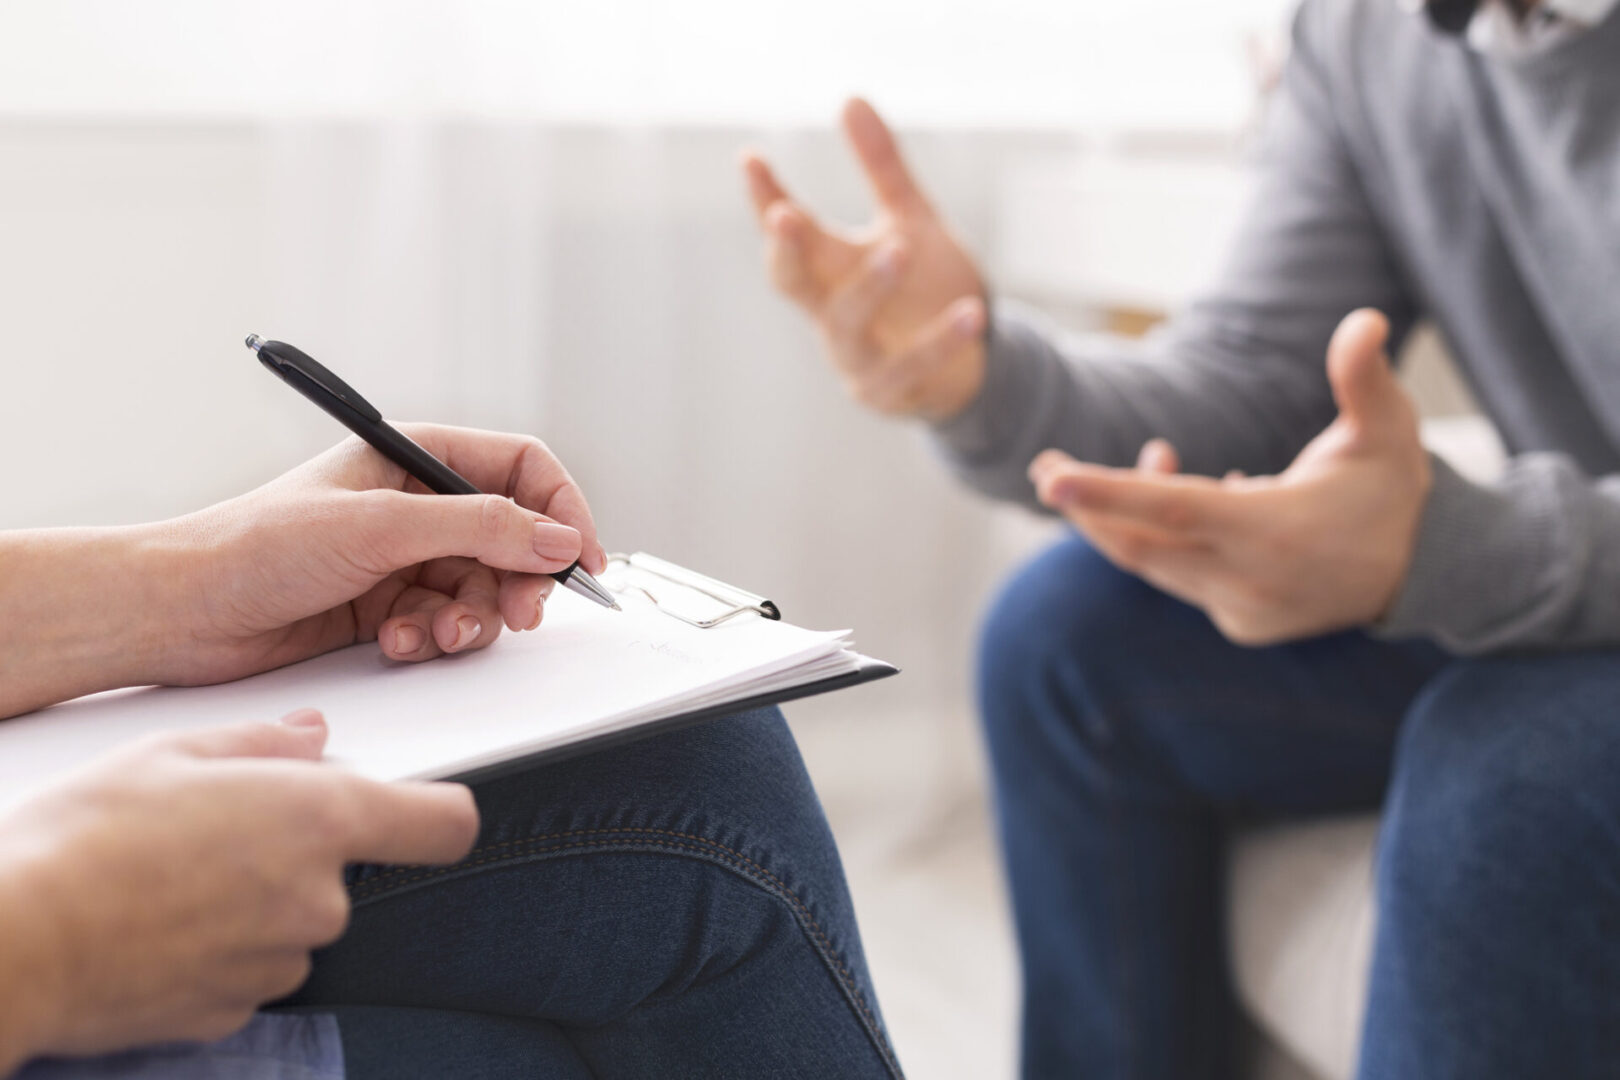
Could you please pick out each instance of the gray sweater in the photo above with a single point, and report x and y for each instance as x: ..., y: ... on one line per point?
x: 1407, y: 172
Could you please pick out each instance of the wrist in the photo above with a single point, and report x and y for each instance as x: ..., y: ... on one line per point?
x: 86, y: 610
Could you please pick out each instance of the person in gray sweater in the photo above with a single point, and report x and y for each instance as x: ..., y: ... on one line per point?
x: 1276, y: 602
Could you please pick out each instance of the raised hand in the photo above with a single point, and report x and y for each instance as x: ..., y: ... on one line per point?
x: 899, y: 302
x: 166, y: 891
x: 1324, y: 546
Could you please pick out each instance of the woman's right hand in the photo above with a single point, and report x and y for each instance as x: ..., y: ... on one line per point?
x: 169, y: 889
x: 901, y: 304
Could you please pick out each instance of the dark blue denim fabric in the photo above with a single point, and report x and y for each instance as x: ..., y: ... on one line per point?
x: 674, y: 908
x: 1126, y: 737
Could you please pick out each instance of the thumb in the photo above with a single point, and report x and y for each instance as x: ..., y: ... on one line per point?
x: 880, y: 158
x: 1158, y: 456
x: 1363, y: 381
x: 300, y: 735
x: 408, y: 529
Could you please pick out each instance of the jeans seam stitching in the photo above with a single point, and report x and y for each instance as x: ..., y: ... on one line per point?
x: 390, y: 880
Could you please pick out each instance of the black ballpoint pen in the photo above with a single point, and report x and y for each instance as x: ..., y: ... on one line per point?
x: 310, y: 378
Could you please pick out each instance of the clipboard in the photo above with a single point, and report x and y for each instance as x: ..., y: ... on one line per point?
x: 666, y: 585
x: 685, y: 649
x: 870, y: 671
x: 661, y: 583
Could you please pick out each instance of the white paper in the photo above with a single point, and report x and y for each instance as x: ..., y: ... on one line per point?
x: 586, y: 671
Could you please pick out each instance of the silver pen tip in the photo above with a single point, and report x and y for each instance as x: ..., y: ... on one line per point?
x: 581, y: 582
x: 253, y: 342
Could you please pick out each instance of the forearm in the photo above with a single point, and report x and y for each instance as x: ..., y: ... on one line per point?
x: 1237, y: 381
x: 1532, y: 561
x: 1223, y: 405
x: 82, y: 610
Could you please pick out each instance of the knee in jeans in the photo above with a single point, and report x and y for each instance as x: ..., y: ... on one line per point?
x: 1068, y: 622
x: 1504, y: 773
x: 1068, y: 606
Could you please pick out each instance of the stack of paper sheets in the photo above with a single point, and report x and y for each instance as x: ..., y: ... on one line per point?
x: 586, y: 673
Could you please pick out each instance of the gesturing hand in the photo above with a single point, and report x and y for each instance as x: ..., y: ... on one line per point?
x: 346, y: 548
x: 900, y: 302
x: 171, y: 888
x: 1324, y: 546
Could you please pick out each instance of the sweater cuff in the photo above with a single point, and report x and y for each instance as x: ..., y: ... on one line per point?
x: 1485, y: 562
x: 980, y: 433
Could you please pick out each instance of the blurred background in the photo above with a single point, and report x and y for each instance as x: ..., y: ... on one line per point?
x: 528, y: 215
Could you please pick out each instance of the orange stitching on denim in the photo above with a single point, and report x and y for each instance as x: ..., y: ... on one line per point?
x: 371, y: 888
x: 554, y: 836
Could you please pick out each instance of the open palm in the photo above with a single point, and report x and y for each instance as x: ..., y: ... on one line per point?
x: 900, y: 301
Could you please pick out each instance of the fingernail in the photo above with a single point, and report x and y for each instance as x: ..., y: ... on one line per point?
x: 304, y: 718
x: 968, y: 319
x: 780, y: 221
x: 888, y: 259
x: 539, y: 612
x: 552, y: 541
x: 467, y: 631
x: 408, y: 639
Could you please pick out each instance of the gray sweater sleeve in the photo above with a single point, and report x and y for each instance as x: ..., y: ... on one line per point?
x: 1237, y: 381
x: 1532, y: 561
x: 1529, y: 562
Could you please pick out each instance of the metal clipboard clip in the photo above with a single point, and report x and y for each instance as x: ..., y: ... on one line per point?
x: 680, y: 593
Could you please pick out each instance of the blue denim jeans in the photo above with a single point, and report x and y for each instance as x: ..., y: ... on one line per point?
x: 1126, y: 737
x: 673, y: 908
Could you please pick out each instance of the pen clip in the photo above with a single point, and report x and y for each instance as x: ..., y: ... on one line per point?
x: 306, y: 373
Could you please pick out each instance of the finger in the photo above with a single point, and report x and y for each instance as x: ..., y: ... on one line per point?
x: 301, y: 735
x: 1158, y: 456
x: 852, y: 306
x: 408, y: 632
x: 764, y: 190
x: 787, y: 256
x: 1137, y: 534
x: 1149, y: 553
x: 522, y: 600
x: 522, y: 468
x: 1192, y: 505
x: 1363, y: 381
x: 400, y: 530
x: 409, y: 823
x: 1190, y: 573
x: 880, y: 158
x: 905, y: 379
x: 473, y: 619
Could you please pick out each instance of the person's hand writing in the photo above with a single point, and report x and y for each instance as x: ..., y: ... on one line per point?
x: 166, y: 891
x: 346, y: 548
x: 900, y: 303
x: 1324, y: 546
x: 342, y: 549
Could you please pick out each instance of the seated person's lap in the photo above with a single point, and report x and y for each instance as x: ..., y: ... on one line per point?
x: 673, y: 906
x: 1306, y: 726
x: 662, y: 905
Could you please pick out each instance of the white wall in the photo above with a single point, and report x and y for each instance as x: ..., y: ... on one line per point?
x: 1061, y: 63
x: 599, y: 287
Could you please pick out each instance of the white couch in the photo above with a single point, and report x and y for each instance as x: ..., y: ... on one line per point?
x: 1301, y: 901
x: 1301, y: 929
